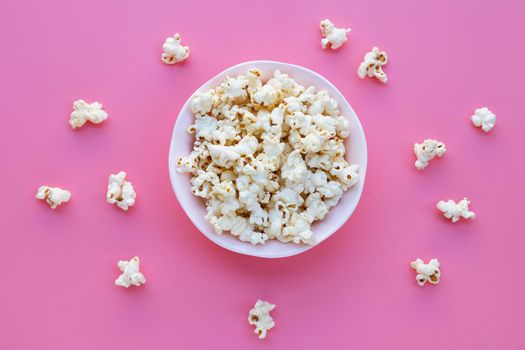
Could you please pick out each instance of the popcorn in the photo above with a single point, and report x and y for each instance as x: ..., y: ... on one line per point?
x: 120, y: 191
x: 223, y: 156
x: 268, y: 157
x: 454, y: 211
x: 427, y: 151
x: 235, y: 89
x: 174, y: 52
x: 485, y: 118
x: 372, y: 65
x: 295, y: 168
x: 202, y: 102
x: 259, y: 316
x: 333, y: 37
x: 131, y: 275
x: 84, y: 112
x: 426, y: 272
x: 267, y: 95
x: 54, y: 196
x: 346, y: 173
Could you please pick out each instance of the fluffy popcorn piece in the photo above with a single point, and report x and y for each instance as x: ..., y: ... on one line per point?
x: 223, y: 156
x: 295, y: 168
x: 297, y: 230
x: 174, y: 51
x: 267, y: 95
x: 54, y: 196
x: 372, y: 65
x: 120, y: 191
x: 333, y: 37
x: 259, y: 317
x: 131, y: 275
x: 454, y: 211
x: 426, y: 272
x: 268, y: 157
x: 83, y: 112
x: 202, y: 102
x: 484, y: 118
x: 347, y: 174
x: 427, y: 151
x: 235, y: 88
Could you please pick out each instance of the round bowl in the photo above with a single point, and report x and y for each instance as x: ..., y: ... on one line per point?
x: 195, y: 208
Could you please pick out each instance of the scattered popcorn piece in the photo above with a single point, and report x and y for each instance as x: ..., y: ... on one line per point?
x: 268, y: 157
x: 120, y: 191
x: 333, y: 37
x: 174, y: 51
x: 131, y: 274
x: 485, y: 118
x: 83, y: 112
x: 372, y: 65
x: 54, y: 196
x: 427, y: 151
x: 426, y: 272
x: 260, y: 317
x: 454, y: 211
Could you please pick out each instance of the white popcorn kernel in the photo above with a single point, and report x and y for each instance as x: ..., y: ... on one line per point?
x: 204, y: 127
x: 247, y: 145
x: 241, y: 227
x: 224, y: 156
x: 426, y: 272
x: 318, y: 161
x: 174, y: 51
x: 54, y: 196
x: 308, y: 95
x: 454, y: 211
x: 427, y: 151
x: 202, y: 102
x: 235, y: 88
x: 185, y: 165
x: 267, y: 95
x: 259, y: 317
x: 254, y: 82
x: 295, y: 168
x: 347, y: 174
x: 226, y: 193
x: 342, y: 127
x: 372, y: 65
x: 297, y: 230
x: 333, y: 37
x: 284, y: 83
x: 83, y: 112
x: 131, y: 275
x: 484, y: 118
x: 120, y: 191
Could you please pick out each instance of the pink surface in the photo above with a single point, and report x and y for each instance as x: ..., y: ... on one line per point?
x: 356, y: 290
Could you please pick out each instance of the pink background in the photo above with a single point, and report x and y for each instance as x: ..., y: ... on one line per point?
x: 356, y: 290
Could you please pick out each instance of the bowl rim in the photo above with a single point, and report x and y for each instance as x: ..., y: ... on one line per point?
x: 265, y: 254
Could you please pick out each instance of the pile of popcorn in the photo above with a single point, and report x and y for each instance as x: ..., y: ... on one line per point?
x: 268, y: 157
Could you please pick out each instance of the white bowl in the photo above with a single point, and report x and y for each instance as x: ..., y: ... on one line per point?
x: 195, y: 208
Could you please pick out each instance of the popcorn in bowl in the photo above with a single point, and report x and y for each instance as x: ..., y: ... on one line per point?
x: 268, y: 157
